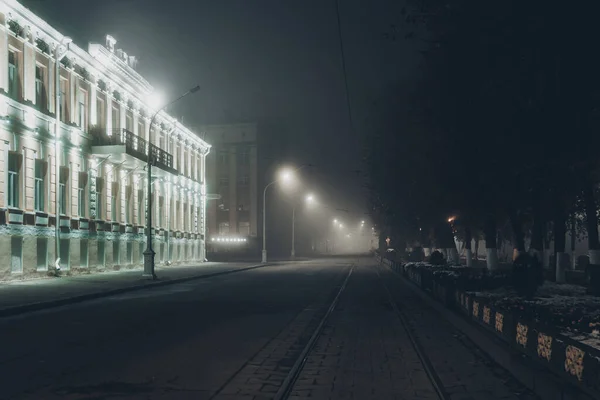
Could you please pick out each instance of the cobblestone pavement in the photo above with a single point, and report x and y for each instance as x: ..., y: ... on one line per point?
x: 464, y: 371
x: 264, y: 374
x: 364, y: 351
x: 238, y: 336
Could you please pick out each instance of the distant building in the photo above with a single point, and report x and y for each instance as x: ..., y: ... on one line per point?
x: 85, y: 171
x: 232, y: 173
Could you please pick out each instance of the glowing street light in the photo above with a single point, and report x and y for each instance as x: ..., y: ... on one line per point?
x: 285, y: 175
x: 155, y: 100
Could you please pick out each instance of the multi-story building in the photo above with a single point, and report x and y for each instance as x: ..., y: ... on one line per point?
x: 232, y: 174
x: 89, y: 160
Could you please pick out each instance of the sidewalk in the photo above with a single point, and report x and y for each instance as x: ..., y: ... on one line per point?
x: 17, y: 297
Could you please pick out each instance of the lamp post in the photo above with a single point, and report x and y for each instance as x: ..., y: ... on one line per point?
x: 309, y: 198
x: 285, y: 175
x: 59, y: 52
x: 149, y: 252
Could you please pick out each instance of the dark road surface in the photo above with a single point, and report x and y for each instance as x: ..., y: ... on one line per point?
x: 245, y: 336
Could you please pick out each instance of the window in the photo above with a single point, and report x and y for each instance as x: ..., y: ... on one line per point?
x: 81, y: 195
x: 140, y: 129
x: 224, y: 204
x: 129, y: 122
x: 244, y: 156
x: 81, y: 108
x: 100, y: 117
x: 244, y: 180
x: 62, y: 198
x: 13, y: 75
x: 39, y: 186
x: 115, y: 118
x: 40, y: 87
x: 223, y: 228
x: 244, y: 228
x: 224, y: 181
x: 223, y: 157
x: 64, y: 110
x: 13, y: 180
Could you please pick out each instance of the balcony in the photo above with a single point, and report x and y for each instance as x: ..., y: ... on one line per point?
x: 131, y: 151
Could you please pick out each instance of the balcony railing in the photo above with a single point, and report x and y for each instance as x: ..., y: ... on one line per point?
x: 134, y: 145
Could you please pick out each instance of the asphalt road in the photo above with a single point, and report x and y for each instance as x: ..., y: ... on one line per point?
x: 239, y: 336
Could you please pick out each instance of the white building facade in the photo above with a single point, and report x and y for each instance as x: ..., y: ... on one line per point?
x: 90, y: 161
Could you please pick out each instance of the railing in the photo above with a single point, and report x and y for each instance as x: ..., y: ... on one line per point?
x: 135, y: 145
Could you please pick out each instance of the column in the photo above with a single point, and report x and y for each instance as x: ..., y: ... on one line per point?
x: 4, y: 59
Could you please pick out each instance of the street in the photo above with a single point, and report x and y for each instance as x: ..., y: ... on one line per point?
x: 244, y: 336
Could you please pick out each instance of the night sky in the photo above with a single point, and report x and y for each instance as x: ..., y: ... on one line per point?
x: 272, y: 60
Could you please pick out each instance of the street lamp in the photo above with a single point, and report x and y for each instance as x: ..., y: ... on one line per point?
x: 149, y: 252
x: 285, y: 176
x: 309, y: 199
x: 59, y: 53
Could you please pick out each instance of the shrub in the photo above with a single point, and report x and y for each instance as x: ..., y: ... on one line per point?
x: 437, y: 258
x: 527, y: 274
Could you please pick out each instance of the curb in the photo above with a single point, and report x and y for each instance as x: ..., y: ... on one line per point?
x: 12, y: 311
